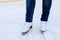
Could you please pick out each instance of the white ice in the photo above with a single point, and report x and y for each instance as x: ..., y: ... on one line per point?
x: 12, y: 15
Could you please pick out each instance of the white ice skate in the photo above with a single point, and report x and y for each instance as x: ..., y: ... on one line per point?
x: 27, y: 28
x: 43, y: 27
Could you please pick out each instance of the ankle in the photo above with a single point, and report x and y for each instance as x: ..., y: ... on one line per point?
x: 28, y: 24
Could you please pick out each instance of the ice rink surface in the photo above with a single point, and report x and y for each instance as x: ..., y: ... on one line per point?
x: 12, y: 15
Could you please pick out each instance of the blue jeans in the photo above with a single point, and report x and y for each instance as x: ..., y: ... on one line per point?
x: 30, y: 6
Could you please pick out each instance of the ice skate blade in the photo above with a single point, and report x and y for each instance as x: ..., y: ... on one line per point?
x: 42, y: 32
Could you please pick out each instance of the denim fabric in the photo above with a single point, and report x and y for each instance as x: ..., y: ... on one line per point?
x: 30, y: 5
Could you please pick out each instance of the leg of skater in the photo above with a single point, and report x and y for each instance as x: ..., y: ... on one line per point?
x: 45, y: 14
x: 30, y: 5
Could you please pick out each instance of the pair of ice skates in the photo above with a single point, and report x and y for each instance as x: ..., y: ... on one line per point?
x: 28, y: 27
